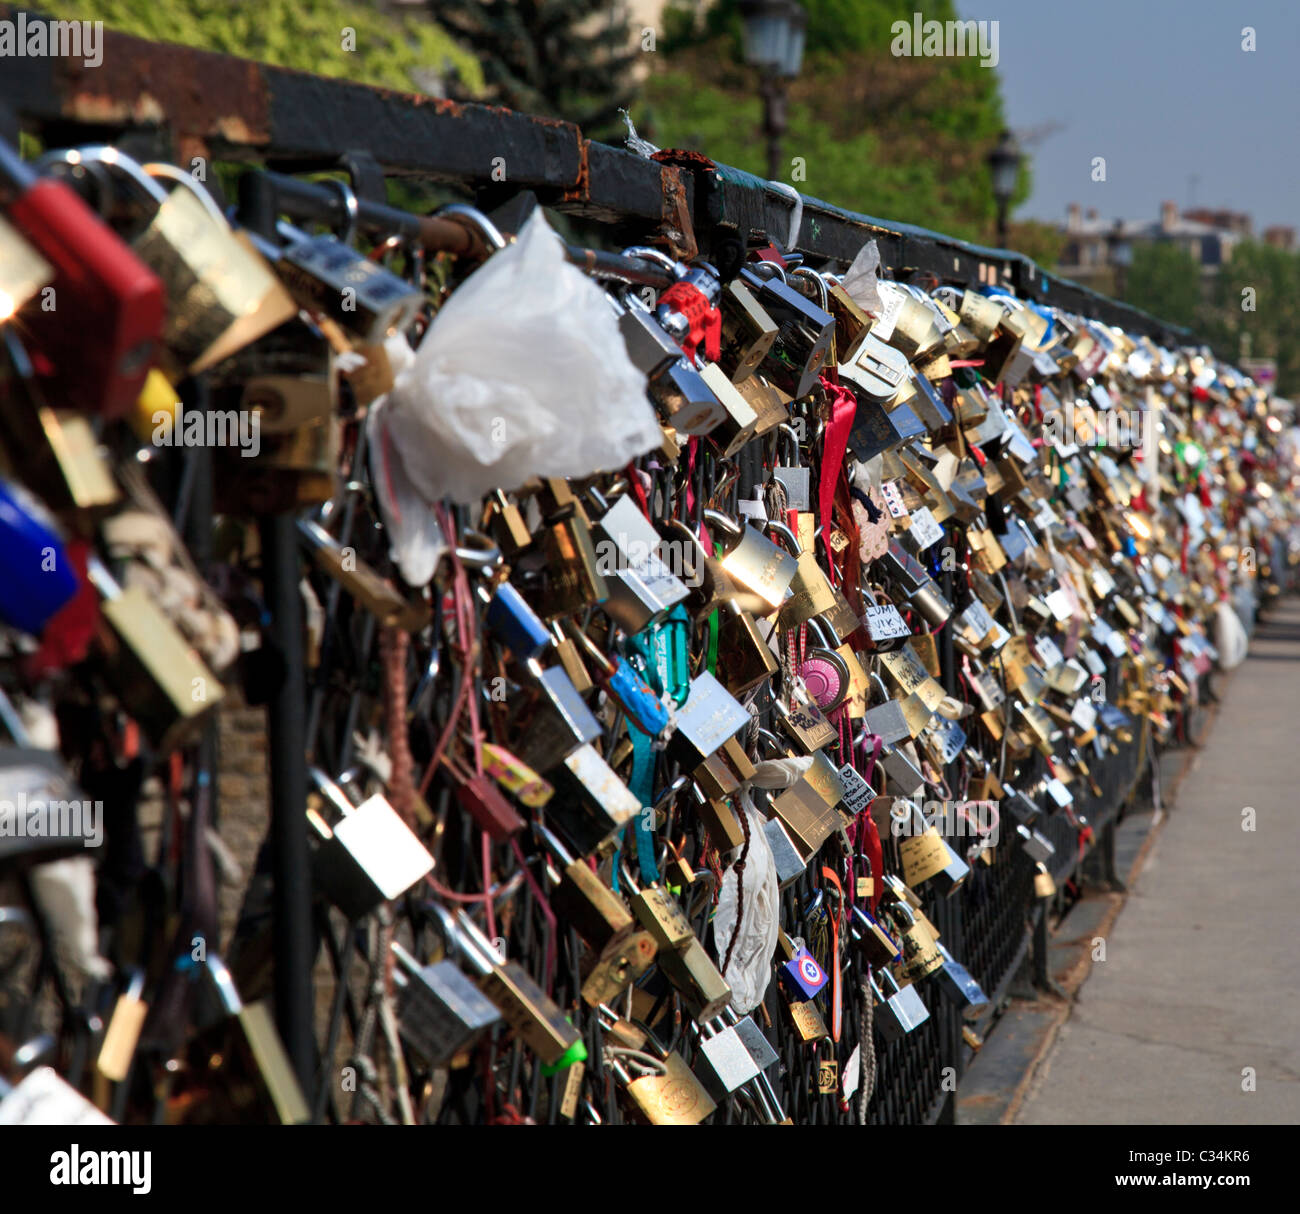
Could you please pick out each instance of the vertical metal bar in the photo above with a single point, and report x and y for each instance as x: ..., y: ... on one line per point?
x: 286, y: 713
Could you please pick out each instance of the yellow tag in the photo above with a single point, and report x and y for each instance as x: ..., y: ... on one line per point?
x: 157, y: 396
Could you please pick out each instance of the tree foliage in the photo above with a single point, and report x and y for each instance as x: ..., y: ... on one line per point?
x: 1165, y: 281
x: 568, y: 59
x: 395, y: 51
x: 897, y: 137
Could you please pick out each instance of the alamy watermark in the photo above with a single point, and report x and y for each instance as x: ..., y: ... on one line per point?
x: 946, y: 39
x: 240, y: 428
x: 1111, y: 428
x: 24, y: 817
x: 42, y: 39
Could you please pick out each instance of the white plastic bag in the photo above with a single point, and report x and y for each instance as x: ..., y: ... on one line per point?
x: 416, y: 538
x: 523, y: 373
x: 1229, y: 637
x: 750, y: 966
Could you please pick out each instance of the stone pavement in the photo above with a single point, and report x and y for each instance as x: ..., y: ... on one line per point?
x: 1193, y: 1017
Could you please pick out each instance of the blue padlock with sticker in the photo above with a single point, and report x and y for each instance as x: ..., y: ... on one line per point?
x: 801, y: 976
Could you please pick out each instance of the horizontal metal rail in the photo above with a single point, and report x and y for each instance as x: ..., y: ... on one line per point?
x: 202, y: 104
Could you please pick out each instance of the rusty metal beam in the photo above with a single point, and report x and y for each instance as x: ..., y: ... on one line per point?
x: 198, y: 103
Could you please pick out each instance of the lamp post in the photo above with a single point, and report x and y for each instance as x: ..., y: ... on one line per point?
x: 774, y: 36
x: 1121, y: 256
x: 1004, y: 168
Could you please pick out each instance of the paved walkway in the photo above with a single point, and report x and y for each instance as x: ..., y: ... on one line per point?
x: 1201, y: 977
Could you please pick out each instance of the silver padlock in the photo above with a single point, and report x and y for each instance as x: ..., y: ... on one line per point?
x: 562, y: 724
x: 440, y: 1011
x: 790, y: 865
x: 957, y: 983
x: 900, y: 1013
x: 642, y: 589
x: 369, y: 856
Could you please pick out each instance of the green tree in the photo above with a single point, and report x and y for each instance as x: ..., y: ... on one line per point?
x: 897, y: 137
x: 1164, y: 280
x: 569, y: 59
x: 1255, y: 309
x: 391, y: 50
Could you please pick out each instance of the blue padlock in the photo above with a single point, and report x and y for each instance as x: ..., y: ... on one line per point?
x: 515, y: 623
x: 39, y: 578
x: 802, y: 976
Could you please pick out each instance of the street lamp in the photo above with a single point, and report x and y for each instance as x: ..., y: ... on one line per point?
x: 774, y: 35
x: 1121, y: 256
x: 1004, y: 168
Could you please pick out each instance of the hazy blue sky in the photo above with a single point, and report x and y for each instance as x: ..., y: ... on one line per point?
x: 1162, y: 90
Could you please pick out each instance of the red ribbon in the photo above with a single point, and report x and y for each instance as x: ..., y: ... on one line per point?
x: 844, y: 406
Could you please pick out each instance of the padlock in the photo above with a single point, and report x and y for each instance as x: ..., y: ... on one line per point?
x: 512, y: 620
x: 562, y: 723
x: 804, y: 722
x: 925, y: 853
x: 744, y: 658
x: 801, y: 976
x: 790, y: 863
x: 327, y: 276
x: 524, y: 1006
x: 641, y: 588
x: 805, y: 333
x: 159, y: 679
x: 371, y: 591
x: 54, y: 452
x: 40, y: 579
x: 878, y: 947
x: 764, y: 1056
x: 898, y: 1014
x: 1038, y: 847
x: 770, y: 404
x: 807, y: 1021
x: 572, y: 580
x: 877, y: 430
x: 697, y: 979
x: 722, y: 1062
x: 794, y: 478
x: 877, y: 373
x: 96, y: 347
x: 123, y: 1031
x: 483, y: 802
x: 808, y: 808
x: 708, y: 719
x: 582, y: 899
x: 216, y: 285
x: 591, y: 802
x: 957, y: 984
x: 240, y: 1062
x: 920, y: 947
x: 1044, y: 885
x: 616, y: 676
x: 747, y: 331
x: 753, y: 561
x: 617, y: 966
x: 810, y: 589
x: 369, y: 856
x: 650, y: 348
x: 673, y: 1096
x: 440, y: 1012
x: 660, y: 914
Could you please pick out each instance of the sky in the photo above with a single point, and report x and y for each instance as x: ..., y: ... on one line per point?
x: 1163, y: 90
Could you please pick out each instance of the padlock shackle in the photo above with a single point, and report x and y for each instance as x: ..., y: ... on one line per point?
x: 224, y: 982
x: 331, y: 791
x: 155, y: 168
x: 787, y: 537
x: 102, y: 153
x: 481, y: 223
x: 549, y: 838
x: 657, y: 256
